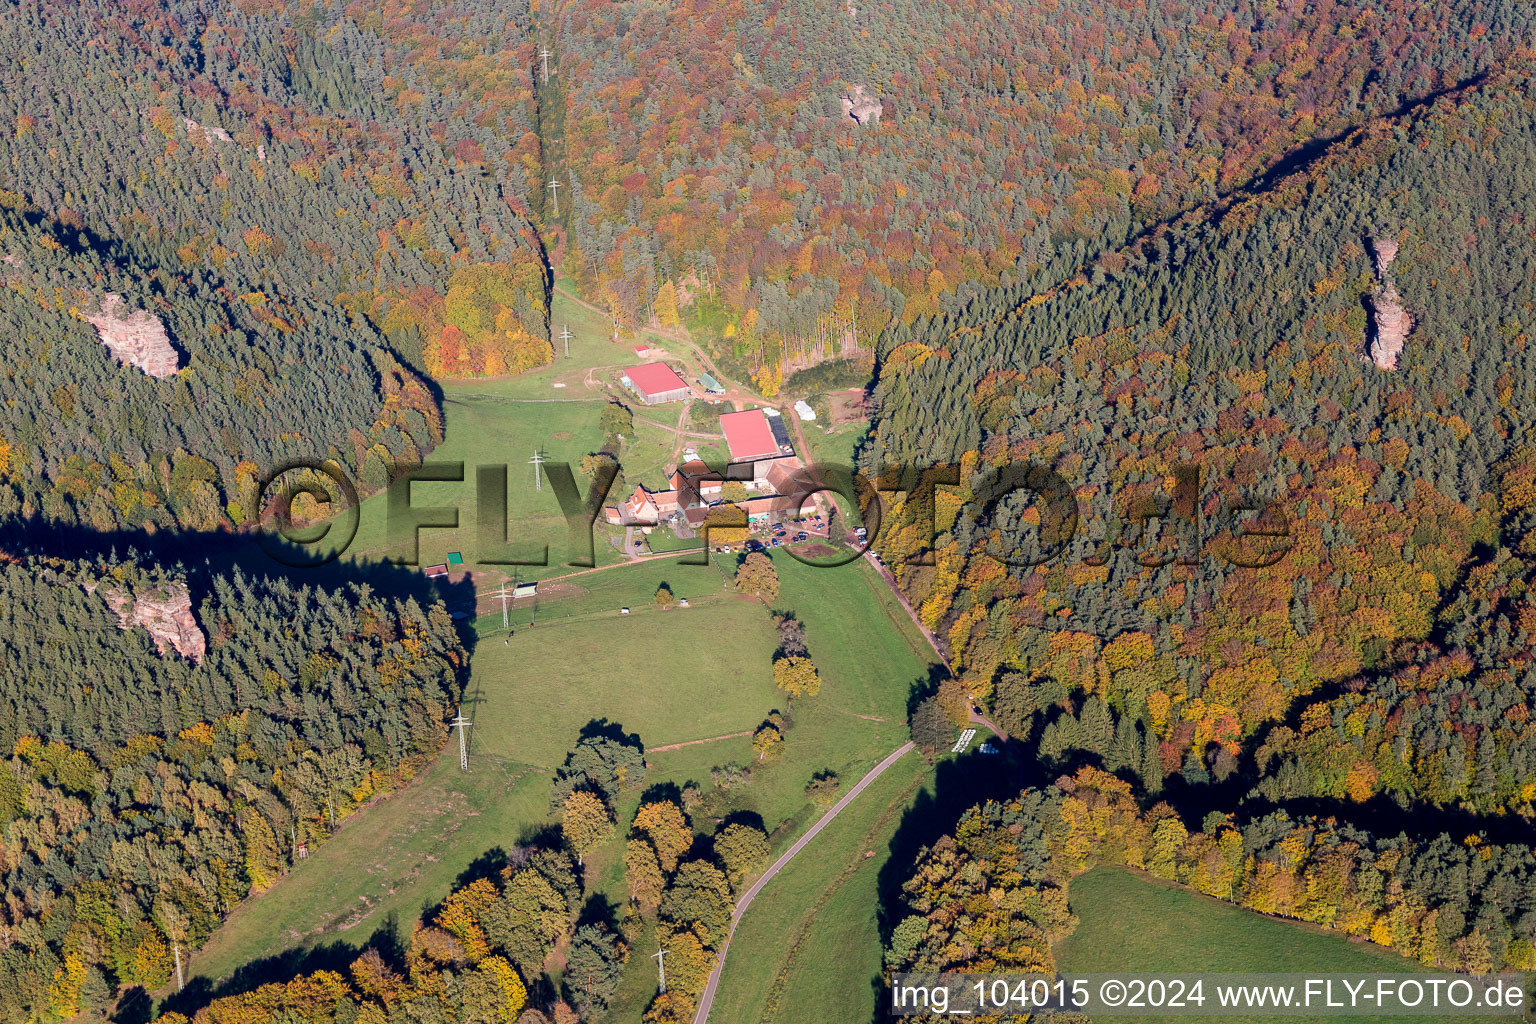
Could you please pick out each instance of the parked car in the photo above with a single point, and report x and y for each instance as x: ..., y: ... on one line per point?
x: 802, y: 535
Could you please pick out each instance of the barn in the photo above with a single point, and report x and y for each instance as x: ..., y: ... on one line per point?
x: 748, y: 436
x: 655, y: 383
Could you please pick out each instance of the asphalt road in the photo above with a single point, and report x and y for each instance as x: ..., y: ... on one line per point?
x: 708, y: 996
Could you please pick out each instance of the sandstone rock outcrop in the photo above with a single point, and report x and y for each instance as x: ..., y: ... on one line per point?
x: 165, y: 613
x: 862, y: 107
x: 205, y: 132
x: 1392, y: 324
x: 137, y: 338
x: 1385, y: 250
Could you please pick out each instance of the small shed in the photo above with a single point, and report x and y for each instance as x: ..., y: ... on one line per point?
x: 524, y: 590
x: 433, y: 571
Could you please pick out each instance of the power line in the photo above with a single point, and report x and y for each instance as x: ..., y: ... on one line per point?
x: 461, y: 723
x: 565, y: 335
x: 661, y: 968
x: 554, y: 190
x: 537, y: 461
x: 544, y: 57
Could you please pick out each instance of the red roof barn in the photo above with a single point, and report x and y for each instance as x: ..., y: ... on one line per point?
x: 748, y: 435
x: 655, y: 383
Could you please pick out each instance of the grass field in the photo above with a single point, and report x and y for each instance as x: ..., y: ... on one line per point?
x: 809, y: 949
x: 692, y: 683
x: 1136, y: 924
x: 500, y: 422
x: 673, y: 677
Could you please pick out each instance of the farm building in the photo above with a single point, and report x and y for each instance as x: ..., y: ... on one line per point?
x: 655, y: 383
x: 748, y: 436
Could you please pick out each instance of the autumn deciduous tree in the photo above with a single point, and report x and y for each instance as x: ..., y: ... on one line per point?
x: 797, y: 676
x: 666, y: 305
x: 768, y: 741
x: 823, y: 788
x: 756, y: 575
x: 699, y: 896
x: 616, y: 419
x: 585, y: 823
x: 741, y: 848
x: 662, y: 821
x: 664, y: 596
x: 642, y: 875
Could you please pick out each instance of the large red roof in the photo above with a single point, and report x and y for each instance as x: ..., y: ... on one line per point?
x: 748, y: 435
x: 654, y: 378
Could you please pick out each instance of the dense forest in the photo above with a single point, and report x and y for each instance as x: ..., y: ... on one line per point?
x: 315, y: 207
x: 1250, y: 285
x: 1371, y: 654
x: 714, y: 158
x: 1393, y: 615
x: 148, y: 791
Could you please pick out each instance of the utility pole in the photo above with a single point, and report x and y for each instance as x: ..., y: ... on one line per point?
x: 461, y: 723
x: 544, y: 56
x: 661, y: 969
x: 554, y: 190
x: 565, y: 335
x: 537, y: 461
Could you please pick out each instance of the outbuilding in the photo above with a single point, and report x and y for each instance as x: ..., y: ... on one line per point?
x: 655, y: 383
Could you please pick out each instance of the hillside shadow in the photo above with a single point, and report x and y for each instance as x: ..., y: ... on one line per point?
x: 335, y: 956
x: 486, y: 866
x: 924, y: 687
x: 958, y: 784
x: 202, y: 556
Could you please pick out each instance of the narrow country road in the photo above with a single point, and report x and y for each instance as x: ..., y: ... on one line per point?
x: 708, y: 996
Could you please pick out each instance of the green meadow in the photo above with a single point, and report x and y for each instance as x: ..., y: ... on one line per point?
x: 673, y: 677
x: 1135, y: 924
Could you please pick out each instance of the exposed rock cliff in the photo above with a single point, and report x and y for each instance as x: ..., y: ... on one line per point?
x: 1385, y: 250
x: 165, y: 612
x: 205, y: 132
x: 1392, y: 324
x: 862, y: 107
x: 137, y: 338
